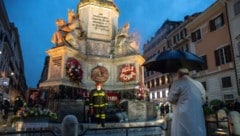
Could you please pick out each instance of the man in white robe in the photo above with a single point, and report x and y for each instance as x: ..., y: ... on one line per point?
x: 187, y: 96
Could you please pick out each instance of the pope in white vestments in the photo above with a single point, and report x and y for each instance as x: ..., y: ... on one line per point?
x: 187, y: 97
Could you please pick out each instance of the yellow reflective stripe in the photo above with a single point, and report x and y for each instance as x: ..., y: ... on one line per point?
x: 97, y: 115
x: 97, y: 105
x: 99, y: 94
x: 103, y: 116
x: 95, y: 94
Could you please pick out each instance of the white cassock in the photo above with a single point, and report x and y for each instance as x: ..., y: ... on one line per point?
x: 187, y: 96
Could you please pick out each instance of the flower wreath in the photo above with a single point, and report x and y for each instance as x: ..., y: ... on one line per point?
x: 127, y: 73
x: 74, y: 70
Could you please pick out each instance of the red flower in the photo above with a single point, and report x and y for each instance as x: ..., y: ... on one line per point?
x: 73, y: 70
x: 127, y: 73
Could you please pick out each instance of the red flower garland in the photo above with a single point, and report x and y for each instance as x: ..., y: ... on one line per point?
x: 74, y: 70
x: 127, y: 73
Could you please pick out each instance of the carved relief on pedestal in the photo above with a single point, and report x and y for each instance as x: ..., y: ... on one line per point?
x: 98, y: 48
x: 99, y: 74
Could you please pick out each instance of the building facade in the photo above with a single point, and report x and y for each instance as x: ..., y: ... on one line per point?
x: 13, y: 81
x: 210, y: 38
x: 207, y: 35
x: 158, y: 83
x: 233, y: 9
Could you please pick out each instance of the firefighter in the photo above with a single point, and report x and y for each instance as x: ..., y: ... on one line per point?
x: 98, y: 104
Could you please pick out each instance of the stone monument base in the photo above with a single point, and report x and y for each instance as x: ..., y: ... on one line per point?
x: 141, y: 111
x: 68, y: 107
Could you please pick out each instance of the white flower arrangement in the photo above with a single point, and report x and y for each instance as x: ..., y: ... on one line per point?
x: 35, y: 112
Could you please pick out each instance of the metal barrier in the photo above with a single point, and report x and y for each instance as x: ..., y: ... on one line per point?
x: 50, y: 132
x: 125, y: 128
x: 212, y: 130
x: 32, y: 132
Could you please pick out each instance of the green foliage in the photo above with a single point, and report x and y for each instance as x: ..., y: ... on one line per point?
x: 207, y: 110
x: 216, y: 104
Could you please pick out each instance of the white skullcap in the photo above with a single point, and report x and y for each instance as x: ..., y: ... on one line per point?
x: 183, y: 70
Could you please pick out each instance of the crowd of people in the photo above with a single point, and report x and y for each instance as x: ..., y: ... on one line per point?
x: 5, y: 107
x: 164, y: 109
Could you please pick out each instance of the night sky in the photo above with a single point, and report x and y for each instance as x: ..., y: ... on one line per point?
x: 35, y: 20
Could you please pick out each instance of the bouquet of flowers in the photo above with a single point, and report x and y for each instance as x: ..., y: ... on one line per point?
x: 74, y: 70
x: 34, y: 112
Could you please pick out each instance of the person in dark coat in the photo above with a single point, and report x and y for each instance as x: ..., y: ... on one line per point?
x: 237, y: 106
x: 166, y: 108
x: 5, y: 109
x: 18, y: 103
x: 162, y: 110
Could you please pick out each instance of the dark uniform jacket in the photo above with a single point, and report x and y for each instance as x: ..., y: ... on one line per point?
x: 98, y: 99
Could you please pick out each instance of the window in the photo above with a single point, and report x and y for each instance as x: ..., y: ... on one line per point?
x: 183, y: 33
x: 226, y: 82
x: 153, y: 95
x: 228, y: 97
x: 236, y: 8
x: 152, y: 83
x: 238, y: 46
x: 164, y: 94
x: 223, y: 55
x: 148, y: 84
x: 169, y: 43
x: 158, y: 94
x: 177, y: 36
x: 152, y: 72
x: 148, y: 73
x: 196, y: 35
x: 169, y: 79
x: 157, y: 82
x: 184, y: 47
x: 216, y: 23
x: 174, y: 39
x: 163, y: 80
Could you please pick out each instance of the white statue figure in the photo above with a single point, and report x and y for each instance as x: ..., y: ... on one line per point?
x: 67, y: 32
x: 125, y: 43
x: 222, y: 116
x: 234, y: 118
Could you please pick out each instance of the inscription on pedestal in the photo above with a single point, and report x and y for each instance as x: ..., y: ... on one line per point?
x: 56, y: 67
x: 100, y: 23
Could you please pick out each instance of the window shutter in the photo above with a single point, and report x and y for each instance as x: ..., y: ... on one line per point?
x: 217, y: 58
x: 193, y: 37
x: 199, y: 34
x: 211, y: 25
x: 222, y: 19
x: 228, y: 53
